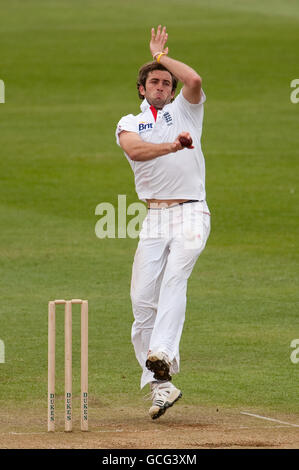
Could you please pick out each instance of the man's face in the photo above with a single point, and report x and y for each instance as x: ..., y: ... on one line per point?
x: 158, y: 88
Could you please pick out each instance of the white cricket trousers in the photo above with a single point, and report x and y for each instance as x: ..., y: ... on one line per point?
x: 170, y: 241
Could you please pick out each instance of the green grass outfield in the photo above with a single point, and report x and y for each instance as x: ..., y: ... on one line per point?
x: 70, y: 68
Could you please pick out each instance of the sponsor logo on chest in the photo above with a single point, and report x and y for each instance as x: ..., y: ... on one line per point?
x: 148, y: 126
x: 145, y: 126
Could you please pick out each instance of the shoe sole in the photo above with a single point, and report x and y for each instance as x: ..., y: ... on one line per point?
x: 167, y: 405
x: 159, y: 367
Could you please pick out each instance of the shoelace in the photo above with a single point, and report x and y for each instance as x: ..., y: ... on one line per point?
x: 148, y: 396
x: 159, y: 396
x: 156, y: 395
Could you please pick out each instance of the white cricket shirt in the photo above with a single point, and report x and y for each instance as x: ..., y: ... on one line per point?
x: 179, y: 175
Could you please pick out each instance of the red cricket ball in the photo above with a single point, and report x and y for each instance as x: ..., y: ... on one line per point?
x: 185, y: 141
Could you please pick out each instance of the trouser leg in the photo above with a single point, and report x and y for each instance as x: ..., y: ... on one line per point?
x: 147, y: 272
x: 171, y: 309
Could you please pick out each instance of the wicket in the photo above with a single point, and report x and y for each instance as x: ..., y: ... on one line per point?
x: 68, y: 363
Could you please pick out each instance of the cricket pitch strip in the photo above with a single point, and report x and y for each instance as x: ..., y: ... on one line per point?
x: 182, y: 427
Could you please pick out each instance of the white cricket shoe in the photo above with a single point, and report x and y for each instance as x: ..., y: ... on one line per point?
x: 159, y: 363
x: 164, y: 395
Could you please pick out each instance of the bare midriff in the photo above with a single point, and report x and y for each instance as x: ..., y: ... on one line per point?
x: 164, y: 202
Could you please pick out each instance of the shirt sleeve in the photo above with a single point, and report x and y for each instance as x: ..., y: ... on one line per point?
x: 127, y: 123
x: 190, y: 110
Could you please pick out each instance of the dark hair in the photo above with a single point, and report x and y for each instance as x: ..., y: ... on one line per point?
x: 150, y: 67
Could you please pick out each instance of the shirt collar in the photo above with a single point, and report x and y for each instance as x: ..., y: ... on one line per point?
x: 145, y: 106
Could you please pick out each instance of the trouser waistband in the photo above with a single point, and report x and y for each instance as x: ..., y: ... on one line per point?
x: 190, y: 200
x: 175, y: 205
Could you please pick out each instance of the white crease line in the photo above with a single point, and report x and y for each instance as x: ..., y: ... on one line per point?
x: 269, y: 419
x: 265, y: 427
x: 56, y: 432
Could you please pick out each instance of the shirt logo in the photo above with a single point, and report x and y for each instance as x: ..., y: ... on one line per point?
x: 168, y: 118
x: 143, y: 126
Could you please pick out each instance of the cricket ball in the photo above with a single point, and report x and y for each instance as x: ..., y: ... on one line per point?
x: 185, y: 141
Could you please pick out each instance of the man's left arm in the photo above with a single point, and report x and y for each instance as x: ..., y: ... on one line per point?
x: 192, y: 82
